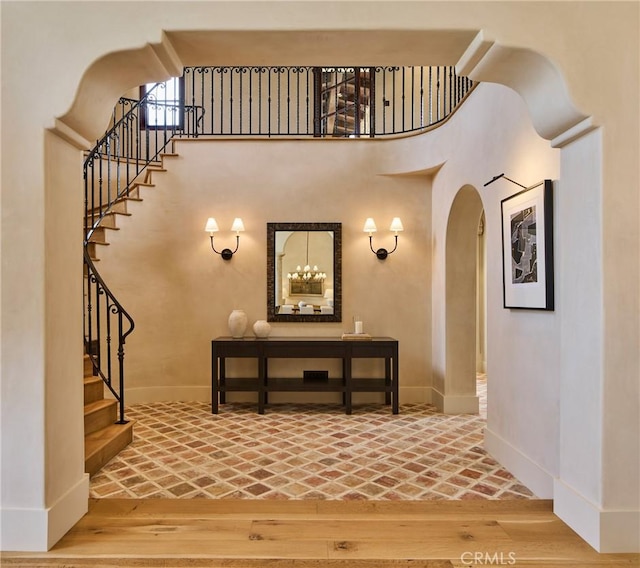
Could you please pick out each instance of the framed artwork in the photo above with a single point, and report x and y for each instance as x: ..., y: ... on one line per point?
x: 527, y: 248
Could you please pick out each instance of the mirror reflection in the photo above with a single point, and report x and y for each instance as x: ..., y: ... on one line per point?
x: 304, y: 272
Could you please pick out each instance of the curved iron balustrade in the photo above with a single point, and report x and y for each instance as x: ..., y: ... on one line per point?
x: 318, y: 101
x: 345, y: 102
x: 113, y: 170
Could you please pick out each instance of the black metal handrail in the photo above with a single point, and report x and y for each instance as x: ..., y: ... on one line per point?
x: 99, y: 299
x: 112, y: 170
x: 318, y: 101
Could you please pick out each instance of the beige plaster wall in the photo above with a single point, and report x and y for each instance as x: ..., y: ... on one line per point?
x: 593, y: 46
x: 492, y: 134
x: 161, y: 266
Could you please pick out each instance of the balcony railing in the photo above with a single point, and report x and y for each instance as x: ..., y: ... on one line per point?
x: 312, y: 101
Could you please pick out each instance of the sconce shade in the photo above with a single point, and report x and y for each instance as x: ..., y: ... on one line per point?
x: 211, y: 226
x: 238, y: 225
x: 370, y: 226
x: 396, y: 225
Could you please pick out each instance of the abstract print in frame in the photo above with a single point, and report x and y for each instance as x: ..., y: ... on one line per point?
x: 527, y: 248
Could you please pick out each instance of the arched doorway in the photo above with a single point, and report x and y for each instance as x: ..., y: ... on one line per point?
x: 572, y: 176
x: 461, y: 303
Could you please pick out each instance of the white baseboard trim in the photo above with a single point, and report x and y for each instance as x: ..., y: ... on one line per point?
x: 37, y: 530
x: 613, y: 531
x: 536, y: 478
x: 455, y: 404
x: 141, y: 395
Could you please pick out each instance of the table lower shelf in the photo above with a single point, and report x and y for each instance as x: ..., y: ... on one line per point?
x: 242, y: 384
x: 274, y: 384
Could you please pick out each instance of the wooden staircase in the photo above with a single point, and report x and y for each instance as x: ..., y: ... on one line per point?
x: 104, y: 438
x: 120, y: 208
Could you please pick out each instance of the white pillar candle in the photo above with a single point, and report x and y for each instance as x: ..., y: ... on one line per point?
x: 358, y: 327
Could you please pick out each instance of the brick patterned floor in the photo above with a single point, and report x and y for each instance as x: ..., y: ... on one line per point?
x: 306, y: 451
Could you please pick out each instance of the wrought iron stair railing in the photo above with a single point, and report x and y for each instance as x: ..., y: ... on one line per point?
x: 113, y: 172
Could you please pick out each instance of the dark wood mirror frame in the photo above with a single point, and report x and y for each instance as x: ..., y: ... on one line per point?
x: 272, y: 309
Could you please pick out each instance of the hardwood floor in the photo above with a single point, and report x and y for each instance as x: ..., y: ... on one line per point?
x: 314, y: 534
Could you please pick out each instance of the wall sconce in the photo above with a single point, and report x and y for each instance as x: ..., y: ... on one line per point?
x: 212, y: 227
x: 370, y: 227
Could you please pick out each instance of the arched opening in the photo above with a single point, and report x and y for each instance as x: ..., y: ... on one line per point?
x: 574, y: 183
x: 461, y: 303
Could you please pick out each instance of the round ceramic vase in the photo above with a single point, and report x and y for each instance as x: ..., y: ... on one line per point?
x: 237, y: 323
x: 261, y: 329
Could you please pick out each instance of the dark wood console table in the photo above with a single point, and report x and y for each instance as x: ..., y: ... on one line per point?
x: 223, y: 348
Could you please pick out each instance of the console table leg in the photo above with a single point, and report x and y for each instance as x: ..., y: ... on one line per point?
x: 215, y: 389
x: 387, y: 379
x: 394, y: 379
x: 223, y: 375
x: 347, y: 380
x: 262, y: 384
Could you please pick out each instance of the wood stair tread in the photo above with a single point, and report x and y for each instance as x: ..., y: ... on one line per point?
x: 98, y: 405
x: 99, y: 437
x: 104, y: 444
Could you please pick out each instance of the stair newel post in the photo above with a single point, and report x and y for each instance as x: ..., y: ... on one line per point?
x: 108, y: 157
x: 88, y: 309
x: 121, y: 339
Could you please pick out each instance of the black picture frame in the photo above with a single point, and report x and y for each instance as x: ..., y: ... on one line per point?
x: 527, y: 248
x: 273, y: 314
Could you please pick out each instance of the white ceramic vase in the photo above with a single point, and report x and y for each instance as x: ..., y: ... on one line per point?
x: 262, y: 329
x: 237, y: 323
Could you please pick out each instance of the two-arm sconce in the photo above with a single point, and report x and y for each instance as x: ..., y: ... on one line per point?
x: 370, y: 227
x: 212, y: 227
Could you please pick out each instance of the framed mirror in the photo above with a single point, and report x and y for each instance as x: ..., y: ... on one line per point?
x: 304, y: 272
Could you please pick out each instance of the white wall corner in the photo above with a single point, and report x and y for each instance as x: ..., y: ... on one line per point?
x: 571, y: 134
x: 70, y: 135
x: 37, y: 530
x: 535, y: 477
x: 68, y: 510
x: 167, y: 55
x: 607, y: 531
x: 474, y: 53
x: 455, y: 404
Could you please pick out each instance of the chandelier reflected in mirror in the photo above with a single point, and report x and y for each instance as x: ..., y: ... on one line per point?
x: 308, y: 279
